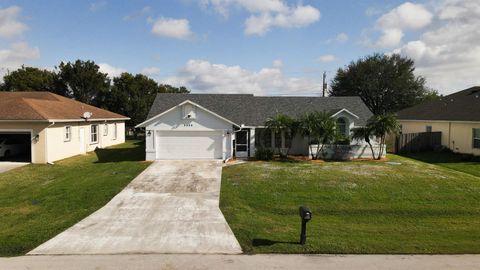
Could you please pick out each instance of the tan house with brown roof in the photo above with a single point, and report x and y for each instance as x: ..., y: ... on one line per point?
x: 50, y: 127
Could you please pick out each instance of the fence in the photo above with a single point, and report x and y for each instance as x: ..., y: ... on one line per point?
x: 418, y: 142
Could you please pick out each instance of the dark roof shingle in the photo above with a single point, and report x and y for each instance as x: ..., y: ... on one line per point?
x: 460, y: 106
x: 254, y: 110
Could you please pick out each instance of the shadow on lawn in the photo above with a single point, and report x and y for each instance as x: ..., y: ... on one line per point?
x: 136, y: 153
x: 266, y: 242
x: 444, y: 157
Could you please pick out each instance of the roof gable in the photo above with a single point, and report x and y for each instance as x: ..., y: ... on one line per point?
x: 253, y: 110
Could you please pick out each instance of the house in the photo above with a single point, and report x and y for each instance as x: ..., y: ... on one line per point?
x: 50, y: 127
x: 456, y: 116
x: 223, y: 126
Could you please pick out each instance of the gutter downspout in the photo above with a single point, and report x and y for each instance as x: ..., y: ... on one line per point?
x: 449, y: 135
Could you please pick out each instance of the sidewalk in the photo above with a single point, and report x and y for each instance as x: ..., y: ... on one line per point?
x: 197, y: 261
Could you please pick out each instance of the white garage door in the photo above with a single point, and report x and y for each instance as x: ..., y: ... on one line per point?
x: 189, y: 145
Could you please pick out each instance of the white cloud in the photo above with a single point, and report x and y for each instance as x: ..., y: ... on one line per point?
x: 266, y: 14
x: 111, y: 70
x: 203, y: 76
x: 151, y: 71
x: 18, y: 54
x: 327, y: 58
x: 97, y: 6
x: 393, y: 24
x: 172, y: 28
x: 373, y: 11
x: 342, y: 38
x: 448, y: 54
x: 277, y: 64
x: 297, y: 17
x: 10, y: 25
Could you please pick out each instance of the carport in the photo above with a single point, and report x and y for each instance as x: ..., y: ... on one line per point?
x: 15, y: 146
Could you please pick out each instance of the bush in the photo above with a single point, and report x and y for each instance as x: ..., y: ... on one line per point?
x: 264, y: 154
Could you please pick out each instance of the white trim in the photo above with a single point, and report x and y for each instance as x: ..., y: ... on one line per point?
x: 96, y: 134
x: 441, y: 121
x: 143, y: 124
x: 31, y: 138
x: 345, y: 110
x: 65, y: 120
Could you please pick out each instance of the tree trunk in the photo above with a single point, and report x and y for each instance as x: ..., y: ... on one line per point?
x: 371, y: 148
x: 319, y: 149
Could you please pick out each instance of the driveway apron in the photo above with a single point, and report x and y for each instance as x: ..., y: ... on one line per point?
x: 171, y: 207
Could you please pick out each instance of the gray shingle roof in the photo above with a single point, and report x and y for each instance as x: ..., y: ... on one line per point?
x: 459, y: 106
x: 254, y: 110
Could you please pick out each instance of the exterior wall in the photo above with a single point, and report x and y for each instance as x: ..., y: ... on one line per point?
x: 457, y: 136
x: 174, y: 120
x: 38, y: 146
x: 349, y: 152
x: 59, y: 148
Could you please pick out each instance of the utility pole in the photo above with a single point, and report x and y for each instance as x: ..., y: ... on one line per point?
x: 324, y: 83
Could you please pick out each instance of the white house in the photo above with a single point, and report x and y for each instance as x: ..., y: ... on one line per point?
x: 223, y: 126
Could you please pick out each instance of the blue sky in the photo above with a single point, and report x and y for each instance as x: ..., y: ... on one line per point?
x: 263, y: 46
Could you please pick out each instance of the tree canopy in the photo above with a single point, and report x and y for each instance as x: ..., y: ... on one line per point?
x: 386, y: 83
x: 32, y: 79
x: 129, y: 95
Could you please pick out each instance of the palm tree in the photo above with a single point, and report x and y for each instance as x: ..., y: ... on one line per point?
x: 378, y: 126
x: 282, y: 123
x: 320, y: 128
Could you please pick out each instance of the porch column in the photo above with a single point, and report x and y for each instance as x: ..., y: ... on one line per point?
x: 252, y: 142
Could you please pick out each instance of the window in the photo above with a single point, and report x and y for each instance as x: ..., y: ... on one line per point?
x: 428, y: 128
x: 105, y: 130
x: 342, y: 126
x: 68, y: 133
x: 476, y: 138
x: 115, y: 131
x: 94, y: 133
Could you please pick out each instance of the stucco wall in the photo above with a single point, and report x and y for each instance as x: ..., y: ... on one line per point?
x: 38, y: 146
x: 59, y: 148
x: 455, y: 135
x: 174, y: 121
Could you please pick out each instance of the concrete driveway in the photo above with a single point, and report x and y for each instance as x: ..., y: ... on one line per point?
x: 7, y: 165
x: 171, y: 207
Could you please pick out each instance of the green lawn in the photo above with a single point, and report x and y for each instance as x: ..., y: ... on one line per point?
x: 39, y: 201
x: 453, y: 161
x: 358, y: 207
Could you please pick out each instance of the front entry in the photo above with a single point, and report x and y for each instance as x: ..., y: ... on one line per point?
x: 241, y: 144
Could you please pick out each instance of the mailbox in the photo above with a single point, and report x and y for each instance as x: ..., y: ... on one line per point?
x: 305, y: 216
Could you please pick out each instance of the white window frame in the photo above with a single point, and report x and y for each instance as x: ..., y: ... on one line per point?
x: 67, y: 133
x: 115, y: 131
x: 94, y: 134
x: 105, y: 130
x: 476, y: 130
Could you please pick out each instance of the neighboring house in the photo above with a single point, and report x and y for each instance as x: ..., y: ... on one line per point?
x: 456, y: 116
x: 222, y: 126
x: 53, y: 127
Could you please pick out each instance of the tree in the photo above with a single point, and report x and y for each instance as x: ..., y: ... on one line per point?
x: 32, y: 79
x: 133, y: 95
x: 378, y: 126
x: 319, y: 128
x: 84, y: 81
x: 282, y: 123
x: 386, y: 83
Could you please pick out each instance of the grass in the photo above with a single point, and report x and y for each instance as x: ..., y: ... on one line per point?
x: 459, y: 162
x: 362, y: 207
x: 39, y: 201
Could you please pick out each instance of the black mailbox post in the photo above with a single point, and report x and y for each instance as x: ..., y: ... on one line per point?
x: 306, y: 216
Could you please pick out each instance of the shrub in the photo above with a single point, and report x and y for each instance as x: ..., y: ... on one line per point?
x: 264, y: 154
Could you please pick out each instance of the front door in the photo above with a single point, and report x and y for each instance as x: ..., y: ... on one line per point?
x: 241, y: 144
x: 81, y: 139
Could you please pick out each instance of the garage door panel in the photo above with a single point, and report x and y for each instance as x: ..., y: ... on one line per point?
x: 189, y: 145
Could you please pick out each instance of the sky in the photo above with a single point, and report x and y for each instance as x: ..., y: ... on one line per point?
x: 264, y: 47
